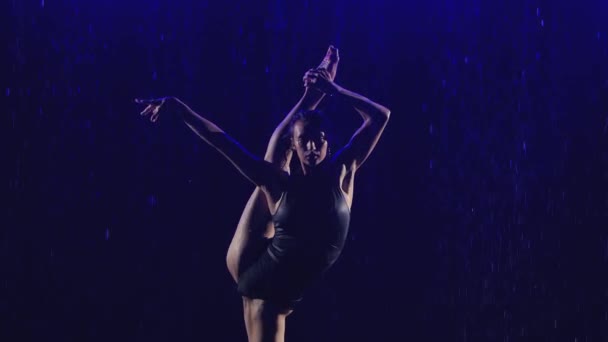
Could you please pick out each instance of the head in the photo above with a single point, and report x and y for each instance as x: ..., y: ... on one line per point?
x: 308, y: 138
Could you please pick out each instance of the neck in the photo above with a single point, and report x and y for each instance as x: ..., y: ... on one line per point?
x: 306, y: 170
x: 311, y: 170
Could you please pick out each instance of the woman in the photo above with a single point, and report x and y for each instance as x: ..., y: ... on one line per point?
x: 310, y: 211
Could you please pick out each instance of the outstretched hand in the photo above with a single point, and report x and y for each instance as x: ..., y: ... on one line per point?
x: 321, y: 80
x: 153, y: 107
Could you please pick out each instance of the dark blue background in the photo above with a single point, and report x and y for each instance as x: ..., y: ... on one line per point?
x: 481, y: 216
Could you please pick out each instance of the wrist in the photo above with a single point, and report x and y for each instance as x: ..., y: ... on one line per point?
x: 311, y: 96
x: 175, y: 105
x: 312, y: 92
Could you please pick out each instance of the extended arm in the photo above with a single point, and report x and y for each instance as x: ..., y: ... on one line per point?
x: 258, y: 171
x: 375, y: 117
x: 362, y: 143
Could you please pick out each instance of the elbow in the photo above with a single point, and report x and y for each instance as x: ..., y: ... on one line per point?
x: 379, y: 116
x: 385, y: 114
x: 379, y: 120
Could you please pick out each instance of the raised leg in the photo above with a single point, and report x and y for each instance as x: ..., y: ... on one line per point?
x: 254, y: 228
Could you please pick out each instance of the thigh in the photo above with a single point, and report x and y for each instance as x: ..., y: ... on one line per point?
x: 276, y: 283
x: 252, y: 233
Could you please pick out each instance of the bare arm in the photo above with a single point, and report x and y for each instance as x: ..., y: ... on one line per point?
x: 364, y: 140
x: 277, y: 152
x: 258, y: 171
x: 375, y: 117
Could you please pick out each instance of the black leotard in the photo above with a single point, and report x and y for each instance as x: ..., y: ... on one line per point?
x: 311, y: 225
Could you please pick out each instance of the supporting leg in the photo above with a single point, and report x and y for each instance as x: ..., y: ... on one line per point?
x: 265, y: 321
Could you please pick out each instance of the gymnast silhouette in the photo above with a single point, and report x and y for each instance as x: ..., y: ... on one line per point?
x: 294, y: 225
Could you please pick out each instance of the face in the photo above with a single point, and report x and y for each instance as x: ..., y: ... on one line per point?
x: 310, y: 144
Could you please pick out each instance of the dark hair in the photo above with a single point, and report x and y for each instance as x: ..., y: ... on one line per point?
x: 309, y: 117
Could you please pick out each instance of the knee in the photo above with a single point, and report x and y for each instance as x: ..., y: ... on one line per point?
x: 255, y: 309
x: 233, y: 264
x: 262, y: 310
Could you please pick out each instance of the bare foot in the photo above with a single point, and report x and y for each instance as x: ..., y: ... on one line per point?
x: 330, y: 61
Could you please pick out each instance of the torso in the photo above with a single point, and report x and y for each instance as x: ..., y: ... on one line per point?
x: 311, y: 214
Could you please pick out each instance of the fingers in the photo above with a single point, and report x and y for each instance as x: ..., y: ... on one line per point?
x: 155, y: 114
x: 311, y: 72
x: 153, y: 110
x: 309, y: 80
x: 147, y: 110
x: 320, y: 72
x: 310, y: 77
x: 324, y: 73
x: 309, y: 83
x: 152, y: 107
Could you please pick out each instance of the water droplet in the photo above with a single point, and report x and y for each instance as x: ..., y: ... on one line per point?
x: 107, y: 234
x: 154, y: 75
x: 152, y: 201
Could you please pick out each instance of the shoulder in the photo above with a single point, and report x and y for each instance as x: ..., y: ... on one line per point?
x: 339, y: 165
x: 341, y: 171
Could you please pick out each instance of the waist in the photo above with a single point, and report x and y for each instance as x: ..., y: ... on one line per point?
x: 289, y: 247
